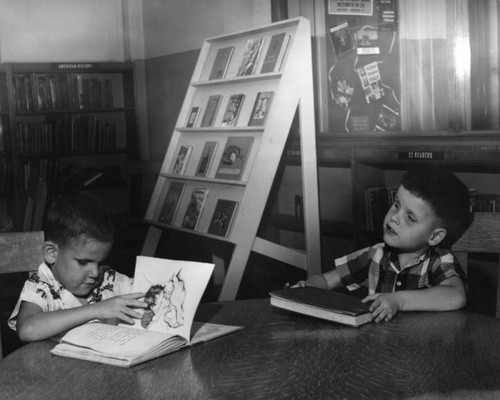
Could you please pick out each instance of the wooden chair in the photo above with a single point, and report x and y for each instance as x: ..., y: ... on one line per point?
x: 482, y: 237
x: 20, y: 252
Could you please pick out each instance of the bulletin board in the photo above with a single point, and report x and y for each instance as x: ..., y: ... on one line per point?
x: 363, y: 71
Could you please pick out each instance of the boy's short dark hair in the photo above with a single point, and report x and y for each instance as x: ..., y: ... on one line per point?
x: 78, y: 214
x: 447, y: 195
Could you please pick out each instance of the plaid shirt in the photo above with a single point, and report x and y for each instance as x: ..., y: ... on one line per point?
x: 377, y: 269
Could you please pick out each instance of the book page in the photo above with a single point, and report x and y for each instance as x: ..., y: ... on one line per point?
x: 205, y: 331
x: 112, y: 340
x: 173, y: 291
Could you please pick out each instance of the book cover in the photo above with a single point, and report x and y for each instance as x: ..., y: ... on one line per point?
x: 342, y: 92
x: 181, y: 161
x: 206, y: 159
x: 392, y: 191
x: 173, y: 290
x: 387, y: 11
x: 371, y: 82
x: 325, y: 304
x: 341, y: 39
x: 367, y: 42
x: 388, y: 119
x: 233, y: 110
x: 273, y: 52
x: 221, y: 62
x: 194, y: 208
x: 261, y: 108
x: 211, y: 110
x: 234, y: 157
x: 171, y: 202
x: 282, y: 54
x: 192, y: 117
x: 222, y: 217
x: 250, y: 57
x: 377, y: 205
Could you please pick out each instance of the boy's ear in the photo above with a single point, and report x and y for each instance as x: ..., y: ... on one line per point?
x: 437, y: 236
x: 50, y: 252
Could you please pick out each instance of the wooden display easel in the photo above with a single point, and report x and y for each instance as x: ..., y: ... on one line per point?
x: 293, y: 91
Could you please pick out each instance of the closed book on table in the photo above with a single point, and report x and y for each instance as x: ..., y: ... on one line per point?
x: 325, y: 304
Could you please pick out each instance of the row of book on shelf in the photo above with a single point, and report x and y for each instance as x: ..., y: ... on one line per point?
x: 71, y: 176
x: 82, y: 133
x: 252, y: 61
x: 222, y: 217
x: 231, y: 164
x: 481, y: 202
x: 377, y: 201
x: 46, y: 92
x: 258, y: 116
x: 5, y: 174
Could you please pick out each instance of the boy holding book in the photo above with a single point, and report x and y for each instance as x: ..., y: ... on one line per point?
x: 413, y: 269
x: 73, y: 286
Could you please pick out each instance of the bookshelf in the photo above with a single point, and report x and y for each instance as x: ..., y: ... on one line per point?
x: 245, y: 114
x: 72, y: 124
x: 6, y: 200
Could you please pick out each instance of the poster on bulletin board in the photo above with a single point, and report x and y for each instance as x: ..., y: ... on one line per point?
x: 362, y: 53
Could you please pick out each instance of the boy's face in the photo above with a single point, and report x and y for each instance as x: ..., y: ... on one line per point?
x: 411, y: 225
x: 77, y: 265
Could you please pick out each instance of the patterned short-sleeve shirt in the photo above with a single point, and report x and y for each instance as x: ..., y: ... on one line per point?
x: 377, y: 269
x: 44, y: 290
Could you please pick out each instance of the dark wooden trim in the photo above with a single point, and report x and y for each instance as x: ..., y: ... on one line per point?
x: 279, y: 10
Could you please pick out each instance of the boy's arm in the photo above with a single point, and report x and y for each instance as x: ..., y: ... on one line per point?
x: 447, y: 296
x: 34, y: 324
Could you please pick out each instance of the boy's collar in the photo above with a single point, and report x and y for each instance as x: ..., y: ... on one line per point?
x: 392, y: 255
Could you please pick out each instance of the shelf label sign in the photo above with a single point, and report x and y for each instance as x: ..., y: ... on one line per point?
x: 71, y: 66
x: 421, y: 155
x: 343, y: 7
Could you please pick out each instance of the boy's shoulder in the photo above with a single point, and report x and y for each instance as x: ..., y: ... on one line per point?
x: 373, y: 252
x: 113, y: 283
x: 443, y: 254
x: 43, y: 276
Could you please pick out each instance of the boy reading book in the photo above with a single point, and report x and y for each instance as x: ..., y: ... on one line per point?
x: 73, y: 285
x: 413, y: 269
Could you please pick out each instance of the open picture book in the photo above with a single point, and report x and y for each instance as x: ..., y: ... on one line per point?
x: 173, y: 291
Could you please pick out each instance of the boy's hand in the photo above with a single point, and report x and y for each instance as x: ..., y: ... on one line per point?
x: 317, y: 281
x: 120, y: 307
x: 299, y: 284
x: 384, y: 306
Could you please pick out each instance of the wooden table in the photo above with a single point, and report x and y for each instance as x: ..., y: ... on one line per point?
x: 280, y: 355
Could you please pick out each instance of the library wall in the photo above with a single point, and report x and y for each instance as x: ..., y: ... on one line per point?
x: 61, y: 30
x: 165, y: 96
x: 177, y: 26
x: 173, y: 34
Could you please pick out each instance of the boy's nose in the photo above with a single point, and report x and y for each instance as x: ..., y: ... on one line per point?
x: 94, y: 271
